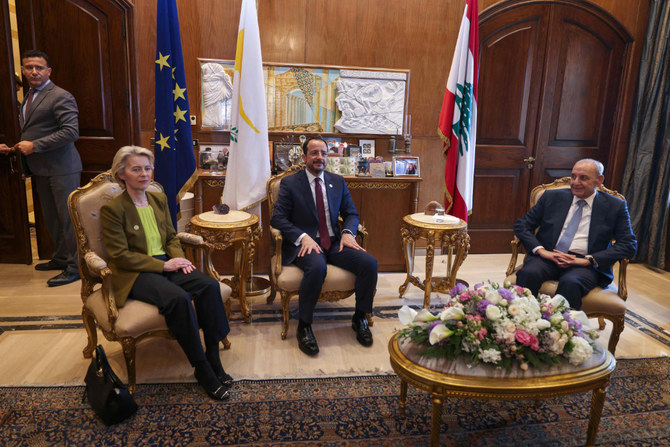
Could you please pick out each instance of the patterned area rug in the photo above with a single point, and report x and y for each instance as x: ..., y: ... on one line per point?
x: 347, y: 411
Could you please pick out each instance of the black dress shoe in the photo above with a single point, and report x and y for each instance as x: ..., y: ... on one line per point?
x: 307, y: 341
x: 226, y: 379
x: 363, y: 334
x: 206, y: 379
x: 51, y: 265
x: 62, y: 279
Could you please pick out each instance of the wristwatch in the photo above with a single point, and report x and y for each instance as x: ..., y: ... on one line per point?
x: 591, y: 260
x: 347, y: 231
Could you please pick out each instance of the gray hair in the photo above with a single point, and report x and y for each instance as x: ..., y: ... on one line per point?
x: 121, y: 160
x: 600, y: 169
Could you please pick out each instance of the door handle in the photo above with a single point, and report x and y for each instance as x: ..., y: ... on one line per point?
x: 530, y: 162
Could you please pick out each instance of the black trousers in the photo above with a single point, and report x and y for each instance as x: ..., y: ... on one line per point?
x: 172, y: 293
x: 573, y: 283
x: 313, y: 265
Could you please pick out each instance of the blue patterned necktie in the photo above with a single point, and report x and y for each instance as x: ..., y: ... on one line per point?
x: 569, y: 234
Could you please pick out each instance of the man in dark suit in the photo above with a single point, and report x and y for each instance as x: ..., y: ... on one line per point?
x: 306, y: 213
x: 50, y: 125
x: 575, y: 229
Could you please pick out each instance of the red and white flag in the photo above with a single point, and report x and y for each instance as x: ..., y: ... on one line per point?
x: 458, y: 118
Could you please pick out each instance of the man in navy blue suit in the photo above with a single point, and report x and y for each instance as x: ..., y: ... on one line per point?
x: 306, y: 213
x: 575, y: 229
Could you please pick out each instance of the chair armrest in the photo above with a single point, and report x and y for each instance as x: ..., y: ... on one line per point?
x: 98, y: 267
x: 362, y: 236
x: 516, y: 247
x: 275, y: 251
x: 190, y: 239
x: 623, y: 288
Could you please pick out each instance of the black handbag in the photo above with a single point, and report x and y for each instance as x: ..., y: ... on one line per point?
x: 108, y: 396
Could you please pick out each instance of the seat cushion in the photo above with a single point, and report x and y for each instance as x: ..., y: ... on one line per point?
x: 598, y: 300
x: 135, y: 317
x: 337, y: 279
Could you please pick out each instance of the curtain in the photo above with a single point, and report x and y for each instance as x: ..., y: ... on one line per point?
x: 646, y: 181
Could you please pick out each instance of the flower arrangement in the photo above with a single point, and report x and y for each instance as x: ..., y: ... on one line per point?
x: 497, y: 325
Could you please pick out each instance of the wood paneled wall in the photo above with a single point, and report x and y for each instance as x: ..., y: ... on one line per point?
x: 417, y: 34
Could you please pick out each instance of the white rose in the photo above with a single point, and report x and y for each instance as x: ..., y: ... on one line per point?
x: 452, y: 313
x: 556, y: 319
x: 439, y: 333
x: 493, y: 313
x: 542, y: 324
x: 492, y: 296
x: 581, y: 351
x: 513, y: 310
x: 406, y: 315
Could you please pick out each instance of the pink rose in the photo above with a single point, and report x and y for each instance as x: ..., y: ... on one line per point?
x: 527, y: 339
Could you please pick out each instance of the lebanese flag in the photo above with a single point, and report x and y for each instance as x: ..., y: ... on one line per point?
x: 458, y: 118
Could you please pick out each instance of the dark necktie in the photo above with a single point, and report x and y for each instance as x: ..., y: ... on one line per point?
x: 29, y: 101
x: 569, y: 234
x: 321, y: 211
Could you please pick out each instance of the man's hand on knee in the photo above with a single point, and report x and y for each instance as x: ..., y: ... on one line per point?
x: 307, y: 245
x: 348, y: 240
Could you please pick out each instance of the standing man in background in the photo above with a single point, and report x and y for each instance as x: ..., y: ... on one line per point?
x: 49, y: 127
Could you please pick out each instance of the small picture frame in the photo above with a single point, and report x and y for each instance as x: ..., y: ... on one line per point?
x: 406, y: 166
x: 213, y: 157
x: 377, y: 170
x: 367, y: 148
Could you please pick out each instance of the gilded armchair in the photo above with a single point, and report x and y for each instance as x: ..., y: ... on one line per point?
x: 339, y: 283
x: 136, y: 320
x: 608, y: 303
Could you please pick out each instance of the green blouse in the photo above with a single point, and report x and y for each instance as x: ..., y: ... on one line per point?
x: 153, y: 236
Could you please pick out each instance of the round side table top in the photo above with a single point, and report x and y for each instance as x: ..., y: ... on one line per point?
x: 425, y: 221
x: 233, y: 219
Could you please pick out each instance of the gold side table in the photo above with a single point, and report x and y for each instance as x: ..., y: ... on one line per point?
x: 452, y: 233
x: 453, y: 378
x: 237, y: 229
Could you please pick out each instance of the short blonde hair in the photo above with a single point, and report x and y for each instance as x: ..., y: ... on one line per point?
x: 121, y: 160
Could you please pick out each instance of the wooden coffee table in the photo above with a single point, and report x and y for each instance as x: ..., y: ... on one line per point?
x: 443, y: 377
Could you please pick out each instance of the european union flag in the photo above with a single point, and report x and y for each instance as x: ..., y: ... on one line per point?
x: 173, y: 149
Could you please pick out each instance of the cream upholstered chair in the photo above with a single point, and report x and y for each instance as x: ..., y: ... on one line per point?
x: 608, y: 303
x: 136, y: 320
x: 339, y: 283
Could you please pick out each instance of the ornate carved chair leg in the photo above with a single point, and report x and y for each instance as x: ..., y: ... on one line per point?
x: 285, y: 299
x: 226, y: 343
x: 92, y: 332
x: 273, y: 293
x: 227, y: 305
x: 368, y: 317
x: 617, y: 328
x: 601, y: 323
x: 128, y: 344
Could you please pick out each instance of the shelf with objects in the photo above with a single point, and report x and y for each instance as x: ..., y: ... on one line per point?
x: 360, y: 112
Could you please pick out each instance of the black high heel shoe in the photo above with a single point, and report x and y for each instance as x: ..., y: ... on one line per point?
x: 226, y: 379
x: 211, y: 384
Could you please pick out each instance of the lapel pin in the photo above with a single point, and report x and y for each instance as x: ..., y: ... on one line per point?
x: 136, y: 227
x: 330, y: 185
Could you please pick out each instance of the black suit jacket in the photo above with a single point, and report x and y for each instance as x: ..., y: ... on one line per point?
x: 295, y: 210
x: 609, y: 221
x: 52, y: 124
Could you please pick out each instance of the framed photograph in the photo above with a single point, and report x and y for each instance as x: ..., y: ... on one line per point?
x: 213, y: 157
x: 377, y: 170
x: 367, y: 148
x: 353, y: 151
x: 406, y: 166
x: 281, y: 160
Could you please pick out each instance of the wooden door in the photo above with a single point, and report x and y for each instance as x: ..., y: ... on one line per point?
x: 550, y: 77
x: 14, y: 235
x: 91, y: 50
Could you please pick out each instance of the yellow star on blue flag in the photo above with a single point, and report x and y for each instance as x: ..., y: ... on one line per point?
x: 175, y: 163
